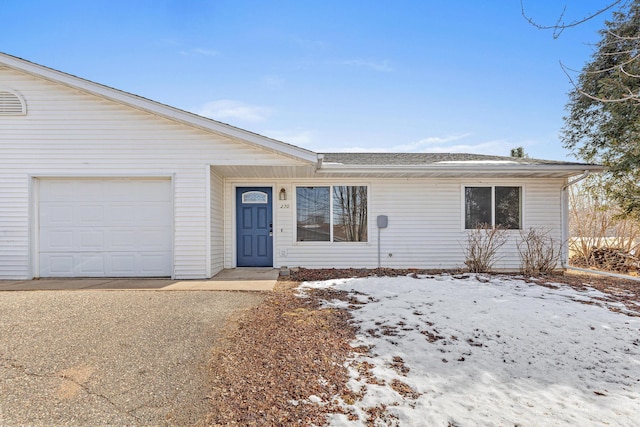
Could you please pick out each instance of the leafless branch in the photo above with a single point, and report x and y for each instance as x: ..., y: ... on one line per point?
x: 482, y: 247
x: 560, y: 25
x: 539, y: 252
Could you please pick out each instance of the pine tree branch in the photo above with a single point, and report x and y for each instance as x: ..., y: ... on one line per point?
x: 635, y: 97
x: 626, y: 73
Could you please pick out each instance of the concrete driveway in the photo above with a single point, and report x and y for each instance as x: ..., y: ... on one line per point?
x: 232, y: 279
x: 109, y: 357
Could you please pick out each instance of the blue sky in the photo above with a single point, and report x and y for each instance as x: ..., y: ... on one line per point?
x: 418, y: 76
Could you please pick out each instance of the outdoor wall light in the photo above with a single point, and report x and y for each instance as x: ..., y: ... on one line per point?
x: 283, y: 194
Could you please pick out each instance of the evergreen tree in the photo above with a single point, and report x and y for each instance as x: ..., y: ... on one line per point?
x: 603, y: 121
x: 519, y: 152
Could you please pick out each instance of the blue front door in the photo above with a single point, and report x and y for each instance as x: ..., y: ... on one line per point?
x: 254, y: 227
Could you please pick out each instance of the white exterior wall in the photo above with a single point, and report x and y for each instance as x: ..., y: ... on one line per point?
x: 425, y: 224
x: 70, y: 133
x: 217, y: 223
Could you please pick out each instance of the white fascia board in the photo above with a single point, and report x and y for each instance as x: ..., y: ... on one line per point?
x: 157, y: 108
x: 569, y: 169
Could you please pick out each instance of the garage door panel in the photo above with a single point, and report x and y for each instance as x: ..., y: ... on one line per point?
x: 152, y: 240
x: 91, y: 214
x: 57, y: 265
x: 85, y: 239
x: 52, y: 191
x: 123, y: 265
x: 137, y: 240
x: 55, y: 214
x: 123, y: 190
x: 59, y: 214
x: 105, y: 227
x: 105, y: 264
x: 156, y: 191
x: 153, y: 264
x: 152, y: 215
x: 119, y: 214
x: 121, y: 239
x: 90, y: 265
x: 91, y: 240
x: 90, y: 190
x: 56, y: 239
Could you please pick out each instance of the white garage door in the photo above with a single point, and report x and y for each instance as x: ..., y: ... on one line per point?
x: 117, y: 227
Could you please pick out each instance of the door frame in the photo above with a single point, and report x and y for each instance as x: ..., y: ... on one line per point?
x: 234, y: 218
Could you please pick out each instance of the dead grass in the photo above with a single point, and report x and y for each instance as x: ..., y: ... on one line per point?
x: 279, y: 354
x: 618, y: 290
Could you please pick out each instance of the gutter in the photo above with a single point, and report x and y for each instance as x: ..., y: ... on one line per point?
x: 565, y: 218
x: 499, y: 169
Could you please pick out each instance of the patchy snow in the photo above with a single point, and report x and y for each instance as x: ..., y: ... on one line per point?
x: 493, y: 350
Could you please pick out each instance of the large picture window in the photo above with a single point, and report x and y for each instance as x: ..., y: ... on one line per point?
x: 312, y: 212
x: 331, y: 214
x: 493, y: 206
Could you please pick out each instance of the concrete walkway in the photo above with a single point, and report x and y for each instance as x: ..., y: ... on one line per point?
x: 237, y: 279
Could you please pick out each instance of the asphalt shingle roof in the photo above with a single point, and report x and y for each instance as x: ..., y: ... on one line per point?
x: 415, y: 159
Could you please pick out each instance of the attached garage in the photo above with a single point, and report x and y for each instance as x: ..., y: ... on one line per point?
x: 105, y: 227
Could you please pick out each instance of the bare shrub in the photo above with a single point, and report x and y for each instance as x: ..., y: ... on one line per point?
x: 597, y: 224
x: 539, y: 252
x: 482, y: 247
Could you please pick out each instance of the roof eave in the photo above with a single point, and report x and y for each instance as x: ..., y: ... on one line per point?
x: 156, y: 108
x: 563, y: 169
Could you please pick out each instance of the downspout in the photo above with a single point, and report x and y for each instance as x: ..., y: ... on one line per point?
x: 565, y: 218
x: 319, y: 161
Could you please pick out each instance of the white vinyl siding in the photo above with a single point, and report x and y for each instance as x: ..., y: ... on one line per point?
x: 425, y: 227
x: 217, y: 223
x: 69, y: 133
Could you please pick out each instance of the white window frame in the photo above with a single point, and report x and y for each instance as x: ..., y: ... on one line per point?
x: 493, y: 204
x: 330, y: 242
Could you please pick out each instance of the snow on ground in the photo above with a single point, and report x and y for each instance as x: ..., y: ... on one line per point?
x: 489, y: 351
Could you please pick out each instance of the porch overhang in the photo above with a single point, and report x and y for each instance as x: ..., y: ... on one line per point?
x: 328, y: 170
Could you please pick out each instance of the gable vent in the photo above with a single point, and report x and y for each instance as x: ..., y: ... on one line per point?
x: 11, y: 104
